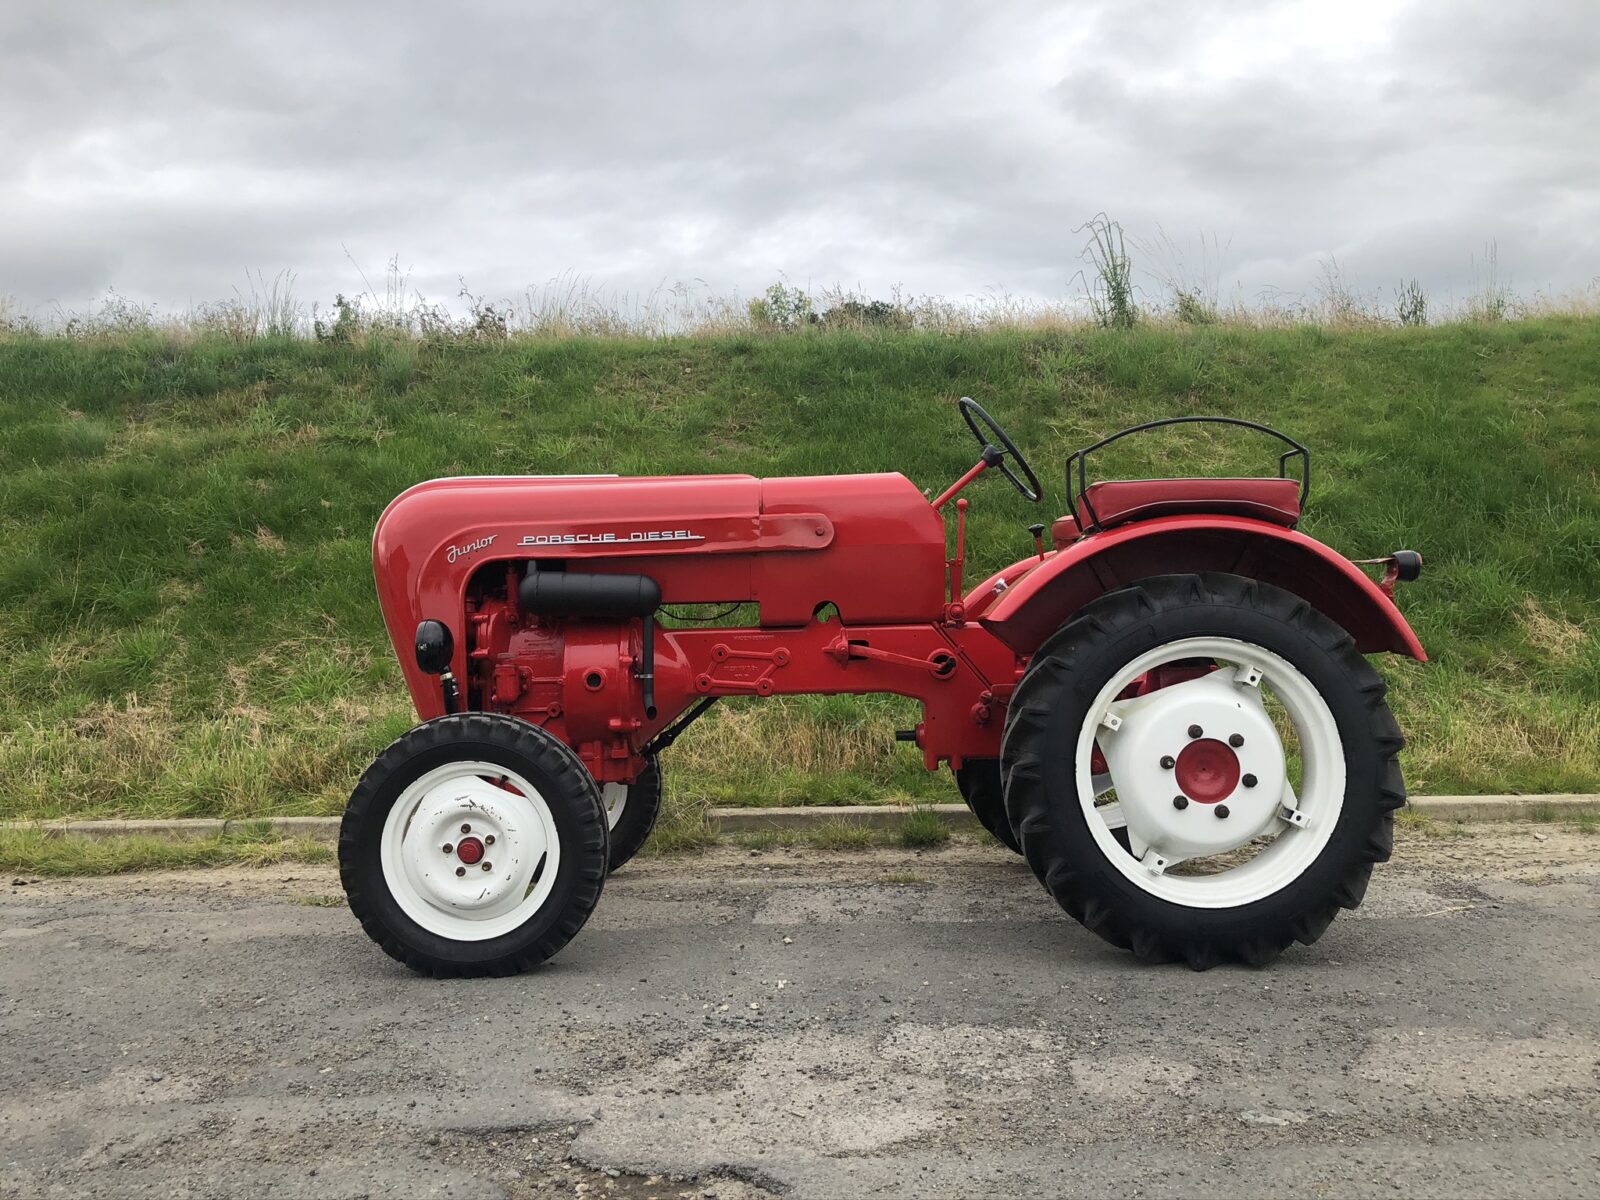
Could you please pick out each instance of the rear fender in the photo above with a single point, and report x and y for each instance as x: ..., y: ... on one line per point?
x: 1038, y: 603
x: 987, y: 594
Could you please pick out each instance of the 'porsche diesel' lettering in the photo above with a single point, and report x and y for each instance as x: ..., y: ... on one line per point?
x: 585, y: 539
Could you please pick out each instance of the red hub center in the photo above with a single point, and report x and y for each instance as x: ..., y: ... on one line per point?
x: 470, y: 850
x: 1207, y: 771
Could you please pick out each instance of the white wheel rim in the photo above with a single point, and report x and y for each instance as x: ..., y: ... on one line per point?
x: 615, y: 798
x: 450, y: 893
x: 1136, y: 737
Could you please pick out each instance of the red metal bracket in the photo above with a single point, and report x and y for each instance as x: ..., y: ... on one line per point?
x: 760, y: 684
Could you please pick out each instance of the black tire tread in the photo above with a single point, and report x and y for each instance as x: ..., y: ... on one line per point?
x: 1128, y: 613
x: 638, y: 814
x: 491, y: 731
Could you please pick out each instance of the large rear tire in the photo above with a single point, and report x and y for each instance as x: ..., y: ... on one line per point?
x: 474, y: 845
x: 1194, y: 885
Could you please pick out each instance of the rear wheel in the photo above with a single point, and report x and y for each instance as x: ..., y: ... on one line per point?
x: 1255, y: 796
x: 631, y: 811
x: 474, y: 845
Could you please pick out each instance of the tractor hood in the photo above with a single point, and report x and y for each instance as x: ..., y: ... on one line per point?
x: 870, y: 544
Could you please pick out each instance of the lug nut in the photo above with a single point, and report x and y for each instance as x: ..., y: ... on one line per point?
x: 486, y: 865
x: 466, y: 829
x: 1236, y: 740
x: 1180, y: 802
x: 1168, y: 762
x: 1248, y: 781
x: 448, y: 848
x: 460, y: 871
x: 1195, y: 731
x: 1222, y: 811
x: 489, y: 840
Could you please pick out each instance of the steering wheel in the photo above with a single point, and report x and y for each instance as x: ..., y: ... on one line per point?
x: 996, y: 456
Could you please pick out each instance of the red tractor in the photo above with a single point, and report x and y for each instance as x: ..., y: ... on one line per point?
x: 1166, y: 709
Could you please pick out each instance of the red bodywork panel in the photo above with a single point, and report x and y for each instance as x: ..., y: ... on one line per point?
x: 1036, y: 605
x: 453, y: 550
x: 869, y: 544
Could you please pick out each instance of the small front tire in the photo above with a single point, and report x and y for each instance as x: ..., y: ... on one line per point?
x: 474, y: 845
x: 631, y: 811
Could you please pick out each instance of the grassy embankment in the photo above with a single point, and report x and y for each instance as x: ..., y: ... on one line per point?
x: 187, y: 626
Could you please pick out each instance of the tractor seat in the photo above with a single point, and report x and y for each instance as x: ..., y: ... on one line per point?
x: 1118, y: 501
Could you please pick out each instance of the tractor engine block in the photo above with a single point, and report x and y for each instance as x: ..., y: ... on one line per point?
x: 574, y: 675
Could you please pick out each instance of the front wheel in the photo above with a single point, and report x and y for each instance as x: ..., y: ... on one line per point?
x: 631, y: 811
x: 474, y: 845
x: 1255, y: 793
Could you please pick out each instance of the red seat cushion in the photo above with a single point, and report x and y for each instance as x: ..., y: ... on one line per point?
x: 1117, y: 501
x: 1063, y: 532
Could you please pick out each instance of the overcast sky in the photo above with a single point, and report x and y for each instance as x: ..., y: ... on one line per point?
x: 165, y: 149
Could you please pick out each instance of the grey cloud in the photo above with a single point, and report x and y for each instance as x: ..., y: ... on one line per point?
x: 163, y: 150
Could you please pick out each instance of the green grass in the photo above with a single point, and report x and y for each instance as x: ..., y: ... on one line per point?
x: 922, y: 828
x: 839, y: 834
x: 33, y: 853
x: 187, y: 624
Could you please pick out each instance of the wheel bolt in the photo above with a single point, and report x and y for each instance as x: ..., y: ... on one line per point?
x: 466, y: 829
x: 486, y: 865
x: 489, y: 840
x: 1180, y: 802
x: 448, y: 848
x: 460, y: 871
x: 1168, y: 762
x: 1222, y: 811
x: 1195, y: 731
x: 1248, y: 781
x: 1236, y: 740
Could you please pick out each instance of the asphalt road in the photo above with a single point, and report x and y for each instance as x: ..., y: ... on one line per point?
x: 886, y: 1023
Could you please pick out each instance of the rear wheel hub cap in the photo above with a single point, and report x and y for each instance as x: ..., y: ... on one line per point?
x: 1208, y: 771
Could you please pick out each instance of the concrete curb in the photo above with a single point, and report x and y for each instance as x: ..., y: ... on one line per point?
x: 758, y: 820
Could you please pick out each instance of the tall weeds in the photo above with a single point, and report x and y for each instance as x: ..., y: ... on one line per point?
x: 1188, y: 289
x: 1111, y: 287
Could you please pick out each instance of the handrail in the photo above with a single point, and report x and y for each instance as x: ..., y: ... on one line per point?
x: 1081, y: 457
